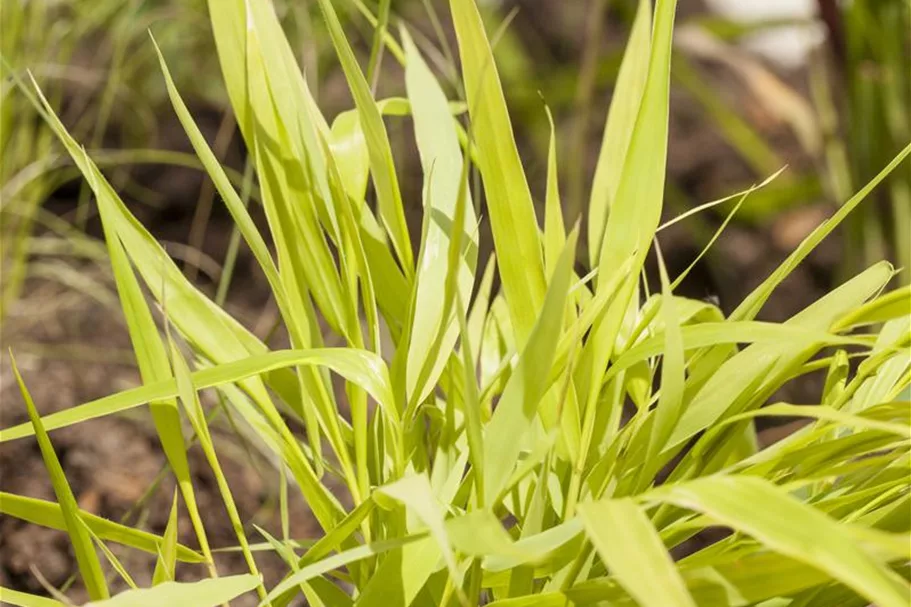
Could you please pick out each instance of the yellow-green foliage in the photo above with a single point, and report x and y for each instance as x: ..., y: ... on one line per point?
x: 521, y: 484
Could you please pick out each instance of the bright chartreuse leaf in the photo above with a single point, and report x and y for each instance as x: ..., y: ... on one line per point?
x: 554, y: 229
x: 382, y: 166
x: 633, y: 553
x: 618, y: 130
x: 204, y: 593
x: 167, y: 550
x: 23, y: 599
x: 782, y: 523
x: 83, y: 548
x: 516, y: 411
x: 49, y: 514
x: 509, y: 202
x: 441, y: 159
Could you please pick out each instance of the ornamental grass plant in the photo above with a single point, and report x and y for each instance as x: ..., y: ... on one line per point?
x: 531, y: 429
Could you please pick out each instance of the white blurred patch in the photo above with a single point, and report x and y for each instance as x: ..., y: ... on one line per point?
x: 787, y: 45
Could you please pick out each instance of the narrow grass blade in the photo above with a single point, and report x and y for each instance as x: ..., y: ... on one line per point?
x: 471, y: 403
x: 538, y: 548
x: 732, y: 385
x: 635, y: 213
x: 228, y: 20
x: 236, y: 207
x: 361, y: 367
x: 151, y: 358
x: 112, y: 559
x: 441, y: 159
x: 738, y: 582
x: 751, y: 305
x: 382, y: 167
x: 888, y: 306
x: 23, y: 599
x: 165, y: 566
x: 357, y: 267
x: 292, y: 206
x: 517, y: 408
x: 49, y: 514
x: 554, y: 229
x: 349, y: 151
x: 339, y: 535
x: 716, y: 333
x: 480, y: 309
x: 83, y: 548
x: 827, y: 414
x: 377, y: 46
x: 673, y: 375
x: 512, y: 212
x: 190, y: 401
x: 720, y: 230
x: 618, y: 130
x: 636, y: 208
x: 479, y: 533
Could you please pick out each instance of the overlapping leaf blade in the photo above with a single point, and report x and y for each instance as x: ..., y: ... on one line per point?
x: 512, y: 212
x: 441, y: 159
x: 83, y: 548
x: 782, y: 523
x: 633, y: 552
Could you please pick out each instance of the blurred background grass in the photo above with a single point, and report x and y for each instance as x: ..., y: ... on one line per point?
x: 822, y: 87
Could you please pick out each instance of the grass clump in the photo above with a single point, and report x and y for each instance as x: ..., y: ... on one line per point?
x: 550, y: 442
